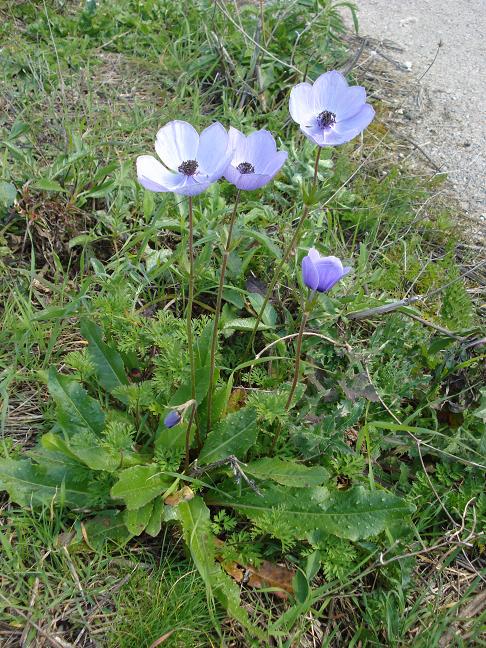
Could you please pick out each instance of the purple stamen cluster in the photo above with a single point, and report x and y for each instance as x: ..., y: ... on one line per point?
x: 246, y: 167
x: 189, y: 167
x: 326, y: 118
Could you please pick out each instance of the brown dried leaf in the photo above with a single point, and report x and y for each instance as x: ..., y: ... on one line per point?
x: 237, y: 399
x: 183, y: 495
x: 267, y: 574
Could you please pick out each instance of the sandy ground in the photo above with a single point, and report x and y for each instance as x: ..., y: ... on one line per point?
x: 449, y: 108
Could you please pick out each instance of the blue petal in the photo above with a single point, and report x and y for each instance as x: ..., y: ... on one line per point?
x: 310, y: 276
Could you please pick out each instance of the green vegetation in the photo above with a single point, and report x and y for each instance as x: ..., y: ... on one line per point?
x: 373, y: 495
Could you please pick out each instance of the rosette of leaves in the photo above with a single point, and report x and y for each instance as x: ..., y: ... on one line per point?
x: 110, y: 460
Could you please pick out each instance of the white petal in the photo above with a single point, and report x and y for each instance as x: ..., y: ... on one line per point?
x: 155, y: 177
x: 260, y: 149
x: 276, y: 163
x: 213, y: 149
x: 177, y: 142
x: 301, y: 104
x: 238, y: 144
x: 190, y: 187
x: 328, y: 91
x: 351, y: 102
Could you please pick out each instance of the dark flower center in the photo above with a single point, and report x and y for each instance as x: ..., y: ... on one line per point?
x: 189, y: 167
x: 245, y: 167
x: 326, y: 119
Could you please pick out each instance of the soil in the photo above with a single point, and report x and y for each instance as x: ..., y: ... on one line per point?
x: 442, y: 49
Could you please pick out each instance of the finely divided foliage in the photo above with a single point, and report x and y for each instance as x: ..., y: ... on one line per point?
x: 219, y: 389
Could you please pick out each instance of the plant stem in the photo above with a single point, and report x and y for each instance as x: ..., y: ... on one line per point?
x: 293, y: 243
x: 188, y: 435
x: 300, y: 336
x: 217, y: 314
x: 190, y: 300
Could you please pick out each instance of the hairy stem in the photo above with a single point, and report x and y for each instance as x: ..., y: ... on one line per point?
x: 293, y: 243
x: 190, y: 300
x: 298, y: 351
x: 188, y: 435
x: 217, y: 313
x: 300, y: 336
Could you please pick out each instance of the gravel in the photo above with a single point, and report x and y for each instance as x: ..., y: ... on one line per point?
x: 450, y: 113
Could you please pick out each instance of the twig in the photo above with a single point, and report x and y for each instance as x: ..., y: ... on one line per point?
x: 235, y: 464
x: 344, y: 345
x: 439, y: 45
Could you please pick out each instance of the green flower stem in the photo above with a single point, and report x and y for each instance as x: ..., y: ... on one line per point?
x: 298, y: 351
x: 188, y: 434
x: 293, y: 243
x: 300, y: 336
x: 218, y: 310
x: 190, y: 300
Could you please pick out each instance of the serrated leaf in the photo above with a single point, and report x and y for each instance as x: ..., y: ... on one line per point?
x: 108, y: 363
x: 30, y: 484
x: 76, y: 410
x: 85, y: 450
x: 353, y: 514
x: 245, y: 324
x: 195, y: 521
x: 231, y: 436
x: 45, y: 184
x: 287, y: 473
x: 138, y: 485
x: 136, y: 520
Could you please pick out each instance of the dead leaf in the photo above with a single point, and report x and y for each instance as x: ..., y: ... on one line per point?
x: 183, y: 495
x: 237, y: 400
x: 161, y: 639
x: 267, y: 574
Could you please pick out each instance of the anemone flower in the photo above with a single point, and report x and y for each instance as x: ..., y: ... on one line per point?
x: 329, y: 111
x: 321, y: 273
x: 191, y: 162
x: 255, y: 159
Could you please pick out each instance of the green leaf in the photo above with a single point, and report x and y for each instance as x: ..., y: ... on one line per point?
x: 183, y: 394
x: 265, y: 240
x: 231, y: 436
x: 287, y: 473
x: 44, y: 184
x: 137, y: 520
x: 194, y: 517
x: 8, y: 193
x: 30, y: 484
x: 76, y: 410
x: 157, y: 517
x: 174, y: 437
x: 139, y: 485
x: 85, y: 449
x: 269, y: 315
x: 108, y: 363
x: 109, y: 526
x: 245, y: 324
x: 353, y: 514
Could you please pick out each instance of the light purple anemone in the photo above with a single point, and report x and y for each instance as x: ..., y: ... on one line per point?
x: 192, y: 161
x: 330, y: 112
x: 255, y: 159
x: 321, y: 273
